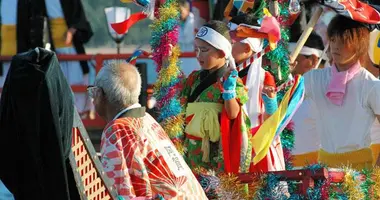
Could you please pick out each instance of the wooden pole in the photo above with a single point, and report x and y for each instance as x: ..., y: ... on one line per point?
x: 273, y: 8
x: 306, y: 33
x: 321, y: 58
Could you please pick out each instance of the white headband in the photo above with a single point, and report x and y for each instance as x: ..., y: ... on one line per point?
x: 306, y: 51
x: 218, y: 41
x: 234, y: 26
x: 256, y: 44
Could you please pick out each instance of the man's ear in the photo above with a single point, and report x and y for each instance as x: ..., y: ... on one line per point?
x: 314, y: 60
x: 100, y: 93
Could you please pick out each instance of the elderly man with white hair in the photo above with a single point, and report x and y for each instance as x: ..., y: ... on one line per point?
x: 137, y: 154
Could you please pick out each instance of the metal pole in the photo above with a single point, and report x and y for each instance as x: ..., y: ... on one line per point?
x: 118, y: 47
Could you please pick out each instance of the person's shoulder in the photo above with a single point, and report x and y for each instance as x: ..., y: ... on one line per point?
x: 150, y: 118
x: 369, y: 79
x: 151, y: 121
x: 191, y: 16
x: 367, y: 75
x: 369, y: 83
x: 153, y: 125
x: 194, y: 74
x: 118, y: 125
x: 317, y: 73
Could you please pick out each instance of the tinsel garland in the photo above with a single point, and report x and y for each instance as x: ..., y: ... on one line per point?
x: 362, y: 184
x: 367, y: 184
x: 376, y: 183
x: 352, y: 187
x: 165, y: 53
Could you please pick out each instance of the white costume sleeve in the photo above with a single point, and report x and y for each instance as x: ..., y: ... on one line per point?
x: 374, y: 98
x: 375, y: 132
x: 308, y: 81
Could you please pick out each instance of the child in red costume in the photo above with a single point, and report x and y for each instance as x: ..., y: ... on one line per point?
x: 258, y: 81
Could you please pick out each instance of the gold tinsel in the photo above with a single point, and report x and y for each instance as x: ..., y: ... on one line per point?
x: 376, y: 179
x: 170, y: 70
x: 201, y: 170
x: 173, y: 126
x: 351, y: 185
x: 166, y: 13
x: 255, y: 187
x: 231, y: 188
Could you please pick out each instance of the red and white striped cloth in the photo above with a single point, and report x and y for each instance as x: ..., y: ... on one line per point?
x: 288, y: 83
x: 249, y: 61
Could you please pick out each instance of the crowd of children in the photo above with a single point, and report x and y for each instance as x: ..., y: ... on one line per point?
x: 336, y: 124
x: 332, y: 126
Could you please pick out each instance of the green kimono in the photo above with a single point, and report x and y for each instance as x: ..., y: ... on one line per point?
x: 202, y: 128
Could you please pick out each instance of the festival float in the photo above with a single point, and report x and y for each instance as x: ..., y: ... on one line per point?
x: 314, y: 181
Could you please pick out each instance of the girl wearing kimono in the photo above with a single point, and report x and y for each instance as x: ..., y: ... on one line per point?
x: 216, y: 129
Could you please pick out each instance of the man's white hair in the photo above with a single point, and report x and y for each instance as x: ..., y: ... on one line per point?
x: 121, y: 83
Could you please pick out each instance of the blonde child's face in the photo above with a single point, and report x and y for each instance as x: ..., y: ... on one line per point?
x: 342, y: 53
x: 208, y: 56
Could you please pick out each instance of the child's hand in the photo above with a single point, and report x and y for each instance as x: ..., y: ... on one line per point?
x: 227, y: 73
x: 70, y: 35
x: 270, y: 103
x: 292, y: 66
x: 269, y: 91
x: 229, y: 85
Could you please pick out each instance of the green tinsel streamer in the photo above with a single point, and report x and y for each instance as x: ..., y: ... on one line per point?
x: 258, y: 8
x: 366, y: 185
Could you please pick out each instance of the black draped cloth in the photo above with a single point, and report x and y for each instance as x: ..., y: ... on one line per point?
x: 36, y: 119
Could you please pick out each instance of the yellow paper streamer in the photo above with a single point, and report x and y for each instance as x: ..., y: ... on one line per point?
x: 262, y: 140
x: 266, y: 12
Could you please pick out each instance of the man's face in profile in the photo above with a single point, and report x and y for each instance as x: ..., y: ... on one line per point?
x: 97, y: 95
